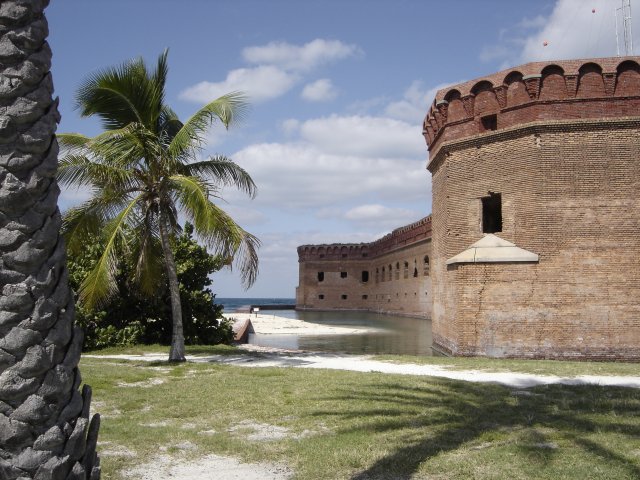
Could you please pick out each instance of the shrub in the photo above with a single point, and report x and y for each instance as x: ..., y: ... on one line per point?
x: 131, y: 318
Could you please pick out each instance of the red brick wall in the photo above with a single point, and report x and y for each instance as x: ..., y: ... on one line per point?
x: 570, y: 193
x: 401, y: 293
x: 589, y: 88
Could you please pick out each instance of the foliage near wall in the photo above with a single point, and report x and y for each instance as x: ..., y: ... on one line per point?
x: 132, y: 318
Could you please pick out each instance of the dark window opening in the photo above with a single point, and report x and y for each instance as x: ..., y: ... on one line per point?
x: 344, y: 255
x: 415, y: 271
x: 426, y: 265
x: 321, y: 276
x: 490, y: 122
x: 364, y: 297
x: 321, y: 297
x: 492, y: 213
x: 344, y: 297
x: 343, y: 274
x: 365, y: 254
x: 365, y: 276
x: 322, y: 255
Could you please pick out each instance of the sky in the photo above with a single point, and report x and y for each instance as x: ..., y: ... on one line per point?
x: 338, y: 90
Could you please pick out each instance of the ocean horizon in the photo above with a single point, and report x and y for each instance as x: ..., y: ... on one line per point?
x: 232, y: 304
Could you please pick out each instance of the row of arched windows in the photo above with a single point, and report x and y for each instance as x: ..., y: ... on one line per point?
x: 387, y: 273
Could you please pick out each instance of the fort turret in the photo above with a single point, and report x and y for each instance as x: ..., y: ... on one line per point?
x: 536, y: 211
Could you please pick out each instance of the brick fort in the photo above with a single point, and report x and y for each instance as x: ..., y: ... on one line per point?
x: 532, y: 249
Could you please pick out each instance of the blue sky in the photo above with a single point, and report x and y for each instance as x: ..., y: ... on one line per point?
x: 338, y: 92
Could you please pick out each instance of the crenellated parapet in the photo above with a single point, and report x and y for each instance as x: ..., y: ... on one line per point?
x: 539, y: 91
x: 398, y: 238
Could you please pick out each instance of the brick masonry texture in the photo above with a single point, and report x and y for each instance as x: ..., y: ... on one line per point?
x: 560, y: 142
x: 564, y: 153
x: 397, y: 278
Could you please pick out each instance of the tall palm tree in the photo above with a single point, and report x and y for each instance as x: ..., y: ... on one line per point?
x: 45, y: 431
x: 142, y: 170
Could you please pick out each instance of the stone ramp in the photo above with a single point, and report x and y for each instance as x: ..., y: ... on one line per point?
x: 241, y: 330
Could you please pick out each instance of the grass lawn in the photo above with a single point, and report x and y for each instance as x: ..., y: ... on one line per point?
x: 347, y: 425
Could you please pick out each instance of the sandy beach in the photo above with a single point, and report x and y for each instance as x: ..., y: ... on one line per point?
x: 265, y: 324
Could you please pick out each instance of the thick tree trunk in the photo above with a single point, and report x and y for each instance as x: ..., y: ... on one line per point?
x: 176, y: 353
x: 45, y: 432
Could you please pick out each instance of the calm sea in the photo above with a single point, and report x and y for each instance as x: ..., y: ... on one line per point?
x: 393, y: 334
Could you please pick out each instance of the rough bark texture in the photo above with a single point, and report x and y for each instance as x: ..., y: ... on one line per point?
x: 45, y: 431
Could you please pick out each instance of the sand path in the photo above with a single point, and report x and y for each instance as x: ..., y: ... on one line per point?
x: 165, y: 467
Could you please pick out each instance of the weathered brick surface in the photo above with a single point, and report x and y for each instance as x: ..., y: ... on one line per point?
x: 568, y: 171
x: 398, y: 281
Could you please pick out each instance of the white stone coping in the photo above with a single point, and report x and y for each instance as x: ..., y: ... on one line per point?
x: 493, y: 249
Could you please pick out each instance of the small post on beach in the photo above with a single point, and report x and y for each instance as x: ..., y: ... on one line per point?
x: 256, y: 310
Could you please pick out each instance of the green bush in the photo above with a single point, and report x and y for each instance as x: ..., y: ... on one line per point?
x: 131, y: 318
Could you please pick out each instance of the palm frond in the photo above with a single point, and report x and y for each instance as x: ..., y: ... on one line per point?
x: 80, y: 171
x: 89, y: 219
x: 229, y: 109
x: 100, y: 285
x: 222, y: 170
x: 121, y: 95
x: 218, y: 230
x: 149, y: 273
x: 73, y: 142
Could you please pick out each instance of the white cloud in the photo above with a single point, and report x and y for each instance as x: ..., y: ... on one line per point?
x: 72, y: 197
x: 415, y: 103
x: 259, y: 83
x: 571, y: 30
x: 381, y: 216
x: 300, y: 58
x: 319, y: 91
x: 278, y: 67
x: 366, y: 136
x: 290, y: 126
x: 243, y: 216
x: 301, y: 175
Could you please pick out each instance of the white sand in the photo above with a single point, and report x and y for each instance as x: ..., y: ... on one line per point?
x: 209, y: 467
x: 266, y: 324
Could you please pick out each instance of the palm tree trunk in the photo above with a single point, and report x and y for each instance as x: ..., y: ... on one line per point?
x: 45, y: 431
x: 176, y: 353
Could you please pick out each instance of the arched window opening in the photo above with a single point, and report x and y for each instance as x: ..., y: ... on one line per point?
x: 406, y: 270
x: 390, y: 272
x: 365, y: 276
x: 321, y: 276
x: 425, y: 271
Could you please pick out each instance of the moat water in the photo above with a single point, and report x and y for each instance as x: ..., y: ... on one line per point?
x: 392, y: 335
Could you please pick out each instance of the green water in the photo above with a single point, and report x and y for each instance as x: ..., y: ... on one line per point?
x: 393, y: 335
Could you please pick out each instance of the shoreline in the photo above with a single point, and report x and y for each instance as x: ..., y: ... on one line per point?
x: 264, y: 324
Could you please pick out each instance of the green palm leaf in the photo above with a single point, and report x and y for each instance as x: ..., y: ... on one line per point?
x: 141, y: 170
x: 216, y: 227
x: 225, y: 172
x: 100, y: 284
x: 228, y: 109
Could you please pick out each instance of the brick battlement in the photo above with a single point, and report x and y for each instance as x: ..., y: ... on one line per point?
x: 398, y: 238
x: 538, y: 91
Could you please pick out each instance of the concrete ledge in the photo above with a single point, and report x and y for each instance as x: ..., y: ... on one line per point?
x: 493, y: 249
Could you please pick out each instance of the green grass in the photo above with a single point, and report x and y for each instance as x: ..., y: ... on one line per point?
x: 539, y: 367
x: 348, y: 425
